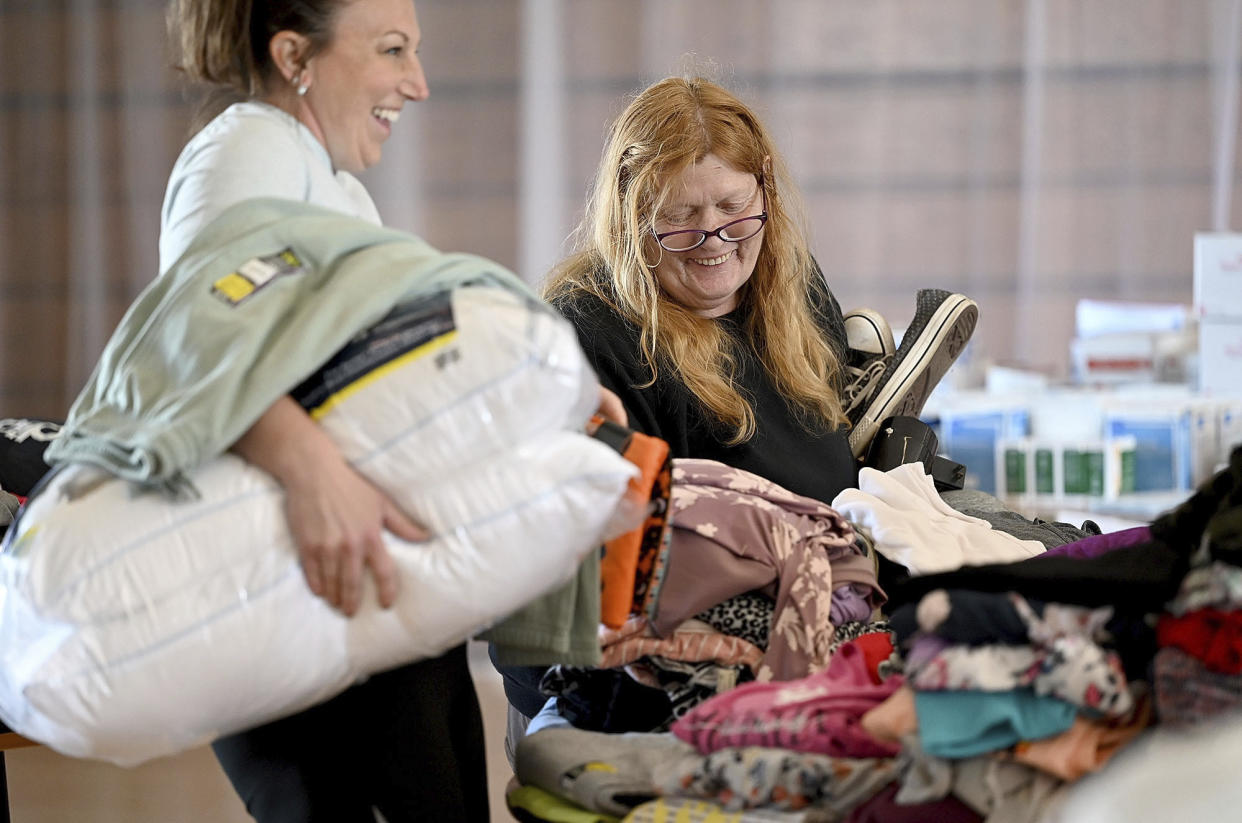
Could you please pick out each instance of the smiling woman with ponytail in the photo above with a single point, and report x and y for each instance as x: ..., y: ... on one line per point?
x: 316, y: 88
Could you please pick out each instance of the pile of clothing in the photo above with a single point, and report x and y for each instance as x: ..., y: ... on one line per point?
x: 749, y: 584
x: 1005, y: 664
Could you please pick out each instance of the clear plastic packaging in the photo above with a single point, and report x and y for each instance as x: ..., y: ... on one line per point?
x: 134, y: 626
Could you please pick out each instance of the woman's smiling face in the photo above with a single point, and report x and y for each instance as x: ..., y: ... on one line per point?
x: 360, y: 81
x: 706, y: 195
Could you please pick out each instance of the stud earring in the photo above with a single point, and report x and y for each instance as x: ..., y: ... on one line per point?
x: 301, y: 85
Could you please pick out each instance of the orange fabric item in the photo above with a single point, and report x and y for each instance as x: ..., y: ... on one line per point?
x: 629, y: 560
x: 653, y: 548
x: 1085, y: 747
x: 892, y: 719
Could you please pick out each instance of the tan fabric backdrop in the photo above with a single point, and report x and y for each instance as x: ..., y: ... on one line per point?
x: 1026, y: 152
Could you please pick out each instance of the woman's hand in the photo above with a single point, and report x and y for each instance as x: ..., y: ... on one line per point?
x: 336, y: 516
x: 611, y: 407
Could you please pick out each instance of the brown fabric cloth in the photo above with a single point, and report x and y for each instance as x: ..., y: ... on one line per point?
x: 734, y: 532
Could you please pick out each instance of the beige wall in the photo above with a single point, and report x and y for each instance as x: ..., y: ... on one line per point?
x: 907, y: 124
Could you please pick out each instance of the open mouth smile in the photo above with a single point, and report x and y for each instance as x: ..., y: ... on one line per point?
x: 386, y: 116
x: 713, y: 261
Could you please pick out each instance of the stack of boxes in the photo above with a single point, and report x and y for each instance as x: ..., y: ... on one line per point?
x: 1218, y: 304
x: 1031, y: 470
x: 1137, y: 423
x: 1124, y: 343
x: 1088, y: 445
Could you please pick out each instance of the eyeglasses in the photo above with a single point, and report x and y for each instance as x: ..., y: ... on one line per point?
x: 732, y: 232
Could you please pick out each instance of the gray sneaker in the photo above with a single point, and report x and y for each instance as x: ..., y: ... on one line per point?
x: 870, y: 349
x: 942, y: 325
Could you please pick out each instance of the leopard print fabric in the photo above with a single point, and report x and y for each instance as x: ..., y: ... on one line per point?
x: 747, y: 615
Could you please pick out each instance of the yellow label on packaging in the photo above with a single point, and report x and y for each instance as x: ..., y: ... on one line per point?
x: 234, y: 287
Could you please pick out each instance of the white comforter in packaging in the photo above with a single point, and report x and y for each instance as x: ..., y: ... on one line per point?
x: 133, y: 626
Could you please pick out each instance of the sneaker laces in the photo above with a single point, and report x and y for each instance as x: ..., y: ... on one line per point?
x: 861, y: 378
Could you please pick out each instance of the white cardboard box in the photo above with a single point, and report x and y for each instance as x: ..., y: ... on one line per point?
x: 1220, y: 357
x: 1218, y: 275
x: 1114, y: 358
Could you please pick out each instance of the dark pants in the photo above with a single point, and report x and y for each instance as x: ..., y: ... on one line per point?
x: 521, y: 684
x: 408, y: 742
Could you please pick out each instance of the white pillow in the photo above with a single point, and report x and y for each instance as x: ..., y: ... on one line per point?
x: 133, y: 626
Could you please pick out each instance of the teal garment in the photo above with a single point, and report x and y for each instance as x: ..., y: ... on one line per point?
x: 963, y: 723
x: 202, y: 353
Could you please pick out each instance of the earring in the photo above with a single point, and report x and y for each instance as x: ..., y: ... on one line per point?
x: 301, y: 85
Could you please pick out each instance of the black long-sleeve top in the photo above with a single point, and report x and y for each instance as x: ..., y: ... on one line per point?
x: 808, y: 461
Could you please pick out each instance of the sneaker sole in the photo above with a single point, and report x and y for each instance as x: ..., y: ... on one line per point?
x: 939, y: 344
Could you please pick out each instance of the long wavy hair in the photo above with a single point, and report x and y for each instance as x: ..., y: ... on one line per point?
x: 666, y: 128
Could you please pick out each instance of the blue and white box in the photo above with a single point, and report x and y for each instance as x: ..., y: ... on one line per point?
x: 970, y: 434
x: 1175, y: 446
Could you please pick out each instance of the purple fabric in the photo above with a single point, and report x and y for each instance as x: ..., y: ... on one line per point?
x: 1099, y: 544
x: 883, y: 808
x: 850, y: 604
x: 924, y: 648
